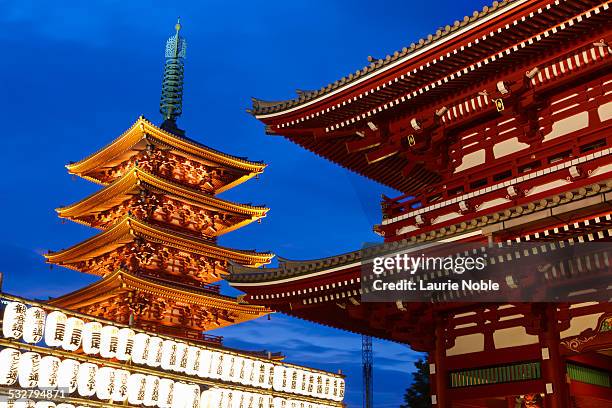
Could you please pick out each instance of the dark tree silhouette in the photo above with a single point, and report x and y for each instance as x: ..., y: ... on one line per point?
x: 417, y: 395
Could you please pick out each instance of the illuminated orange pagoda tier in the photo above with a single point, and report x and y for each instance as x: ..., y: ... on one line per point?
x: 496, y: 128
x: 159, y: 220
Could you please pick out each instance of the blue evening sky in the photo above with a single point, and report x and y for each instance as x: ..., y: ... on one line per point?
x: 75, y: 75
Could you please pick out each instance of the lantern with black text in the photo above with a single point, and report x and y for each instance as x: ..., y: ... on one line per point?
x: 125, y: 344
x: 49, y: 372
x: 13, y: 319
x: 72, y: 336
x: 155, y: 352
x: 86, y: 380
x: 140, y: 349
x: 168, y: 360
x: 34, y: 325
x: 120, y: 388
x: 29, y: 370
x: 68, y: 374
x: 136, y: 389
x: 55, y: 328
x: 151, y: 390
x: 9, y: 366
x: 108, y: 341
x: 92, y: 333
x: 166, y: 390
x: 105, y: 383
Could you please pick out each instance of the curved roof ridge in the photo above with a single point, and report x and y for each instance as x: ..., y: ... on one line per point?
x: 261, y: 107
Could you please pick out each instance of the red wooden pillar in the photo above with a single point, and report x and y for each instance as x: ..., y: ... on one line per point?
x: 553, y: 364
x: 438, y: 372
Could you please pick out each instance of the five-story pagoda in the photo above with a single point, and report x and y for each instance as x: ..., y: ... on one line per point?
x: 159, y: 217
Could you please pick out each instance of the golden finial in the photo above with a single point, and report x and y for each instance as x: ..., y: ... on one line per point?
x: 178, y: 25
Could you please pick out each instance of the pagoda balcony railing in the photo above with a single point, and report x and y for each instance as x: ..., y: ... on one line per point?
x: 184, y: 283
x: 183, y: 333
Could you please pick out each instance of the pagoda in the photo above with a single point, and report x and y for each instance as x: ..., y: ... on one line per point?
x: 159, y: 216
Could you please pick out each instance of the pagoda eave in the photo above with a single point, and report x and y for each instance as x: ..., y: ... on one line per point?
x: 143, y: 130
x: 116, y: 286
x: 129, y: 229
x: 137, y: 181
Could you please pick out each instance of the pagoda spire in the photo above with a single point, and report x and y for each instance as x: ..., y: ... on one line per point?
x: 171, y: 103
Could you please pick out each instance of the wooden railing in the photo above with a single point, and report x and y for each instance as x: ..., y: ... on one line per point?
x: 495, y: 375
x: 589, y: 375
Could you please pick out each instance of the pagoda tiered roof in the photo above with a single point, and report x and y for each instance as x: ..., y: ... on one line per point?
x: 143, y: 133
x: 131, y: 230
x: 114, y: 287
x: 136, y: 180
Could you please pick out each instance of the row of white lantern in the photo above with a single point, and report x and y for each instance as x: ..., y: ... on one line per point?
x: 304, y: 382
x: 124, y: 344
x: 30, y: 370
x: 227, y: 398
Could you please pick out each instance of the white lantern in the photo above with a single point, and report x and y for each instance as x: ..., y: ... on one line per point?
x: 151, y: 390
x: 120, y: 388
x: 44, y: 404
x: 55, y: 328
x: 216, y: 370
x: 105, y: 383
x: 205, y: 363
x: 303, y: 389
x: 140, y: 350
x: 166, y: 390
x: 86, y: 379
x: 310, y: 388
x: 327, y: 387
x: 34, y: 325
x: 236, y: 369
x: 192, y: 396
x: 29, y: 370
x: 12, y: 322
x: 227, y: 363
x: 64, y: 406
x: 248, y: 377
x: 269, y: 376
x: 92, y: 333
x: 258, y: 373
x: 168, y: 360
x: 155, y: 352
x: 179, y: 395
x: 279, y: 373
x: 68, y: 374
x: 211, y: 398
x: 9, y: 366
x: 74, y: 331
x: 341, y: 389
x: 108, y: 341
x: 181, y: 358
x: 49, y: 372
x: 136, y: 389
x: 194, y: 355
x: 125, y: 344
x: 319, y: 386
